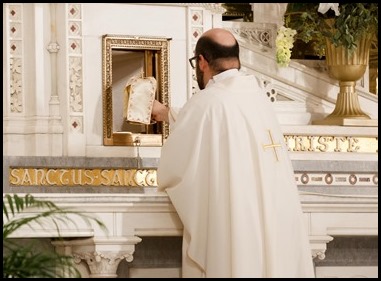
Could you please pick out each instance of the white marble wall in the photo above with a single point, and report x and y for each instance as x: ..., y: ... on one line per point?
x: 268, y: 12
x: 53, y: 69
x: 52, y: 78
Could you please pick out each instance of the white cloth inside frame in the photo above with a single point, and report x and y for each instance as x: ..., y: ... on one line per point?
x: 139, y: 95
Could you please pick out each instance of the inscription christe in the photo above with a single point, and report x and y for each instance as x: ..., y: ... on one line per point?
x: 82, y: 177
x: 331, y: 144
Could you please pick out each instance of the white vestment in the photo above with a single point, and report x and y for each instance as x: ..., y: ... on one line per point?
x: 237, y: 198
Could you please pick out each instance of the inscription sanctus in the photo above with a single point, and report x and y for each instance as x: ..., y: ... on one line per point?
x: 81, y: 177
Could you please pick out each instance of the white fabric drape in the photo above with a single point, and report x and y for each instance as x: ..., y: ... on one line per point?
x: 239, y: 206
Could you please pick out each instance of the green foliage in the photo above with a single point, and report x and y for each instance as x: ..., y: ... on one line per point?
x: 31, y: 261
x: 354, y: 21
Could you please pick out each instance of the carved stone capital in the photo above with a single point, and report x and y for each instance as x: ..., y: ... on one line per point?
x: 102, y: 255
x: 103, y: 265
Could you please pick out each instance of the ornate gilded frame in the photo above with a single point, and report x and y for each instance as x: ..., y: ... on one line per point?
x: 156, y: 63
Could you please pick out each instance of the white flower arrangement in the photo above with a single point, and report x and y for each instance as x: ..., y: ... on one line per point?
x: 341, y: 24
x: 284, y: 43
x: 285, y: 37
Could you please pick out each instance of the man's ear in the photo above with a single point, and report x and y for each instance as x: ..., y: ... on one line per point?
x: 202, y: 62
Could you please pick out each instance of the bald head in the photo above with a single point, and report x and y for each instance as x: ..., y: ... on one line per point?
x: 220, y: 36
x: 220, y: 49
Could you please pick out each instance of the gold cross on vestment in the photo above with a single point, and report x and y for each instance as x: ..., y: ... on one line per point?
x: 272, y: 145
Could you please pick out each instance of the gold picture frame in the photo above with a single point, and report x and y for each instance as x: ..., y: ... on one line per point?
x: 125, y: 57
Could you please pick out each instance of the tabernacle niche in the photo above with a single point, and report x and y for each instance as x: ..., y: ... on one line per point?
x: 123, y: 58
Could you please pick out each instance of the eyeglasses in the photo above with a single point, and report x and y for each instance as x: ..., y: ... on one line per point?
x: 192, y: 61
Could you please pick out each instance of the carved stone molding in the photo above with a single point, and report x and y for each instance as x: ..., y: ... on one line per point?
x: 318, y: 254
x: 53, y: 47
x: 259, y: 34
x: 102, y: 255
x: 14, y: 21
x: 319, y: 245
x: 75, y: 57
x: 103, y: 264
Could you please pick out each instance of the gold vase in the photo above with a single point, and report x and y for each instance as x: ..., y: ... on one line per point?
x: 347, y: 67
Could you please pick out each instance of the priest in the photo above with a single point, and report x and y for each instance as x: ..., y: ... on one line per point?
x: 227, y: 171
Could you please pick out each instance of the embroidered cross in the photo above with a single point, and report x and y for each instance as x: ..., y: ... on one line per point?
x: 272, y: 145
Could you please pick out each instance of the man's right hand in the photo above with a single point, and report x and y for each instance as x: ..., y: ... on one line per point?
x: 159, y: 111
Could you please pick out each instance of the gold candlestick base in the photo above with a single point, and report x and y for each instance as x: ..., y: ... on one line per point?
x: 342, y: 121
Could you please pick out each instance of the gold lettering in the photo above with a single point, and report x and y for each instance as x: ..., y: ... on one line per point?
x: 299, y: 144
x: 351, y: 144
x: 151, y: 178
x: 64, y: 178
x: 339, y: 141
x: 76, y: 176
x: 14, y: 177
x: 287, y: 141
x: 324, y: 145
x: 39, y: 176
x: 26, y: 178
x: 89, y: 176
x: 97, y: 177
x: 105, y: 177
x: 129, y: 177
x: 311, y: 141
x: 139, y: 178
x: 117, y: 179
x: 48, y: 177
